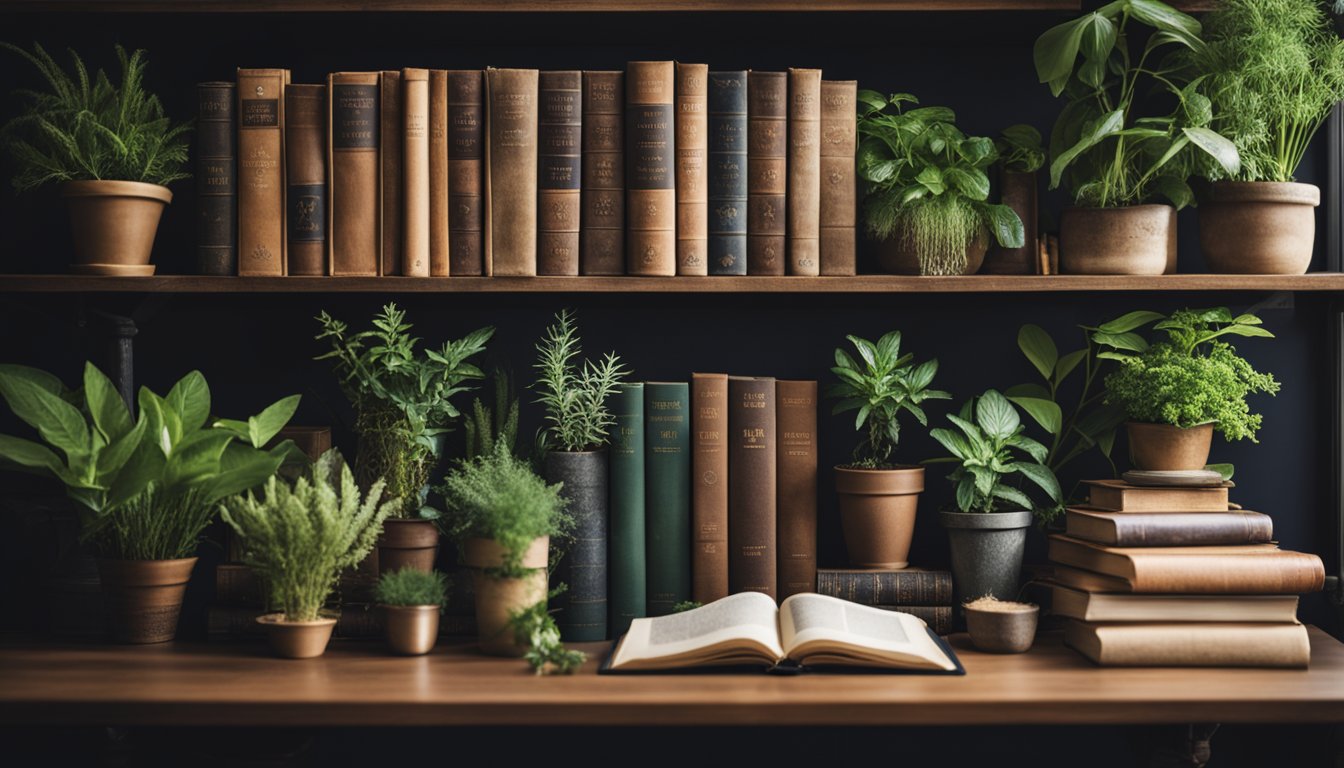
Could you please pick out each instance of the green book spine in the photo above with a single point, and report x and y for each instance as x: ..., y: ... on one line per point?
x: 667, y: 515
x: 627, y: 586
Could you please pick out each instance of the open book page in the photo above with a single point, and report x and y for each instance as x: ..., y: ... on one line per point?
x: 816, y: 629
x: 743, y: 628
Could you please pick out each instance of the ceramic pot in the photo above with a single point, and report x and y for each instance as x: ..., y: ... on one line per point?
x: 1017, y: 191
x: 411, y: 630
x: 496, y: 597
x: 143, y: 598
x: 1165, y: 448
x: 297, y: 639
x: 877, y: 514
x: 1002, y: 631
x: 987, y: 551
x: 406, y: 543
x: 1134, y: 240
x: 898, y: 257
x: 582, y: 608
x: 1259, y: 227
x: 113, y: 224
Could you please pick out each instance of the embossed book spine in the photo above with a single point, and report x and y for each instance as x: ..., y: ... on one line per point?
x: 415, y: 172
x: 650, y: 145
x: 466, y: 172
x: 728, y: 173
x: 796, y: 469
x: 560, y: 142
x: 767, y: 165
x: 511, y: 172
x: 692, y: 179
x: 438, y: 173
x: 804, y: 171
x: 752, y: 485
x: 667, y: 512
x: 581, y: 610
x: 389, y: 170
x: 216, y: 179
x: 261, y: 171
x: 910, y: 586
x: 306, y: 178
x: 628, y: 583
x: 602, y: 223
x: 709, y: 486
x: 839, y: 195
x: 352, y: 193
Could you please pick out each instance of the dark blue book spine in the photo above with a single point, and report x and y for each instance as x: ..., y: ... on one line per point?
x: 727, y: 173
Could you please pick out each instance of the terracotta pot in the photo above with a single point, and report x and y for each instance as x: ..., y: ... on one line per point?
x: 113, y: 223
x: 1002, y: 631
x: 406, y: 543
x: 1259, y: 227
x: 1017, y: 191
x: 143, y: 598
x: 877, y: 514
x: 411, y: 630
x: 497, y: 597
x: 297, y: 639
x: 1165, y: 448
x: 897, y: 257
x: 1134, y: 240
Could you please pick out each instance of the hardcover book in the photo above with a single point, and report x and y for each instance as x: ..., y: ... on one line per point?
x: 602, y: 225
x: 1096, y: 607
x: 415, y: 172
x: 560, y: 141
x: 767, y: 165
x: 796, y: 470
x: 1260, y: 569
x: 1191, y: 645
x: 628, y: 583
x: 352, y: 194
x: 752, y: 486
x: 511, y: 172
x: 908, y: 586
x: 391, y: 161
x: 306, y: 179
x: 727, y: 203
x: 692, y: 178
x: 651, y: 195
x: 709, y: 486
x: 216, y: 179
x: 1119, y: 496
x: 838, y: 209
x: 261, y: 171
x: 667, y: 511
x: 804, y: 170
x: 439, y: 261
x: 466, y: 172
x: 1168, y: 529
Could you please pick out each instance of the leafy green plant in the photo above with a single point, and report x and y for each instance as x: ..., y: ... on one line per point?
x: 300, y: 537
x: 1106, y: 146
x: 879, y: 386
x: 409, y: 586
x: 488, y: 426
x: 535, y: 627
x: 989, y: 448
x: 575, y: 395
x: 87, y: 128
x: 1020, y: 149
x: 687, y: 605
x: 925, y: 182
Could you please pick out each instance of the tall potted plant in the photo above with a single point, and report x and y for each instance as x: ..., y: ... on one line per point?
x: 1113, y: 154
x: 112, y: 150
x: 1021, y: 155
x: 879, y: 498
x: 403, y: 407
x: 146, y: 488
x: 926, y: 190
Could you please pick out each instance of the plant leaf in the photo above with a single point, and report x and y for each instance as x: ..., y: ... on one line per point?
x: 1047, y: 413
x: 1039, y: 348
x: 996, y: 415
x: 1041, y: 476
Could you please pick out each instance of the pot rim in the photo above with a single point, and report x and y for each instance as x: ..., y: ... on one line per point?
x: 277, y: 619
x: 415, y: 608
x: 862, y: 470
x: 1030, y: 609
x: 1276, y: 192
x: 116, y: 188
x: 1116, y: 208
x: 991, y: 521
x: 1164, y: 425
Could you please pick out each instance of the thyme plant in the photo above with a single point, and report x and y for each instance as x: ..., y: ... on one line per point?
x: 574, y: 393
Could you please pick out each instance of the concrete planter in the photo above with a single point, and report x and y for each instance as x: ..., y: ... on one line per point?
x: 582, y: 614
x: 987, y: 550
x: 1134, y: 240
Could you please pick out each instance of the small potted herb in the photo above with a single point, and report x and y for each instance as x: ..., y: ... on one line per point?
x: 298, y: 538
x: 1021, y: 155
x: 411, y: 601
x: 879, y: 498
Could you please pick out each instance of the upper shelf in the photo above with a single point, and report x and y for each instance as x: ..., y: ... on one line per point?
x: 287, y: 6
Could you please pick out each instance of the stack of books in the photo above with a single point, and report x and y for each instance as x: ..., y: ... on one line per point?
x: 924, y: 594
x: 1175, y: 576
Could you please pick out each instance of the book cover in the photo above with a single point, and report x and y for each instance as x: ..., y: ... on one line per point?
x: 306, y: 179
x: 651, y: 195
x: 352, y: 191
x: 796, y: 470
x: 727, y: 204
x: 1167, y: 529
x: 767, y: 165
x: 838, y: 209
x: 1099, y: 607
x: 466, y: 172
x: 415, y: 172
x: 1191, y: 645
x: 1119, y: 496
x: 752, y: 486
x: 1261, y: 569
x: 667, y: 511
x: 602, y: 223
x: 390, y: 164
x: 439, y: 262
x: 216, y: 179
x: 511, y: 172
x: 627, y: 558
x: 692, y: 173
x: 559, y: 181
x: 804, y: 172
x: 709, y: 486
x: 261, y: 171
x: 908, y: 586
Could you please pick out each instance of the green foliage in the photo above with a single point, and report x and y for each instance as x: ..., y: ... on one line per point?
x: 489, y: 426
x: 146, y: 487
x: 300, y: 537
x: 409, y: 586
x: 687, y: 605
x: 1107, y: 147
x: 84, y: 128
x: 988, y: 448
x: 535, y: 627
x: 1275, y: 69
x: 879, y: 385
x: 575, y: 395
x: 1020, y: 149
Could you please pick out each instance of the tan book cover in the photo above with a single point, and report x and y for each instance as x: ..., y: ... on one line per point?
x: 466, y: 172
x: 1166, y: 529
x: 796, y: 470
x: 352, y: 192
x: 651, y: 194
x: 752, y: 486
x: 838, y: 209
x: 1191, y: 644
x: 602, y: 223
x: 692, y: 176
x: 804, y: 169
x: 306, y: 179
x: 439, y: 262
x: 767, y: 176
x: 511, y: 172
x: 1098, y: 607
x: 391, y: 162
x: 1261, y: 569
x: 559, y: 174
x: 261, y: 171
x: 1119, y: 496
x: 415, y: 172
x: 709, y: 486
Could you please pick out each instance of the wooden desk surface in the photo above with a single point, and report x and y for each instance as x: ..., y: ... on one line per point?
x: 358, y: 684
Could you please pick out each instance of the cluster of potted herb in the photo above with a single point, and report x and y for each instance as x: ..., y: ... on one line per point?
x: 411, y: 601
x: 1021, y: 155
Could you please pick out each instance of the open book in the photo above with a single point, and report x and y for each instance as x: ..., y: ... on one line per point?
x: 807, y: 629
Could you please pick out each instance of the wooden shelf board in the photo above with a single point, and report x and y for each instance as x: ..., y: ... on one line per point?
x: 469, y: 6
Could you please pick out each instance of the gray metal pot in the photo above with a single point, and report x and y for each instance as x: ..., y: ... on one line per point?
x: 987, y: 550
x: 582, y: 614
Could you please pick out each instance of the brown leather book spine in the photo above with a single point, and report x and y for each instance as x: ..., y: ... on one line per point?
x: 709, y: 486
x: 796, y: 470
x: 839, y: 194
x: 352, y: 193
x: 261, y: 171
x: 1166, y: 529
x: 804, y: 170
x: 767, y: 163
x: 692, y: 176
x: 751, y: 485
x: 650, y: 145
x: 511, y: 172
x: 1117, y: 497
x: 390, y: 165
x: 602, y: 228
x: 908, y: 586
x: 438, y: 173
x: 216, y: 155
x: 306, y: 179
x: 466, y: 172
x: 415, y: 172
x: 559, y: 179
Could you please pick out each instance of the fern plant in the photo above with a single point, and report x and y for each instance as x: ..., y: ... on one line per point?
x: 87, y: 128
x: 409, y: 586
x: 574, y: 394
x: 489, y: 426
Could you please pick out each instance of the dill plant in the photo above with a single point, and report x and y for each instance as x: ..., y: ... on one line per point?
x: 574, y: 392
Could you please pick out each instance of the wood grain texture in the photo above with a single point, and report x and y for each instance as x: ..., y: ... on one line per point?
x: 290, y: 6
x: 359, y: 684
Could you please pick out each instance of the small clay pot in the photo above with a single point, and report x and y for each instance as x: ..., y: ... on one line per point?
x: 897, y: 257
x: 407, y: 543
x: 1017, y: 191
x: 1166, y: 448
x: 297, y: 639
x: 143, y: 598
x: 497, y: 597
x: 1134, y: 240
x: 113, y: 224
x: 411, y: 630
x: 1259, y: 227
x: 1002, y: 630
x: 877, y: 514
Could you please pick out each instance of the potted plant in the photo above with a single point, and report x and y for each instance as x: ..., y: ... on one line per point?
x: 298, y: 538
x: 403, y: 408
x: 926, y: 189
x: 411, y: 601
x: 146, y: 488
x: 1115, y: 156
x: 503, y: 516
x: 878, y: 498
x: 988, y: 529
x: 1274, y: 69
x: 111, y: 149
x: 574, y: 457
x: 1021, y: 155
x: 1177, y: 390
x: 1001, y: 626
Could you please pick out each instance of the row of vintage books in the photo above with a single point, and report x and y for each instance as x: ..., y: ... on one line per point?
x: 665, y: 168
